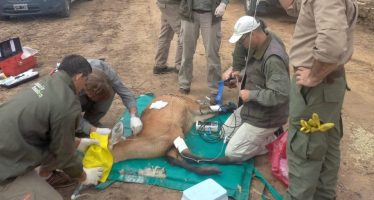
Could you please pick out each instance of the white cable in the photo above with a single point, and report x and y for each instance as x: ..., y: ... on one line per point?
x: 206, y: 160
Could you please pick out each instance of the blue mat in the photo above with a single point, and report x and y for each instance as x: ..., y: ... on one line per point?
x: 236, y: 179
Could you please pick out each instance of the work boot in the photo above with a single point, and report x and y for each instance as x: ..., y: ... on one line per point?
x: 164, y: 70
x: 62, y: 183
x: 184, y: 91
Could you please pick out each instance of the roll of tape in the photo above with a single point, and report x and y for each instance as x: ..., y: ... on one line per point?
x: 180, y: 144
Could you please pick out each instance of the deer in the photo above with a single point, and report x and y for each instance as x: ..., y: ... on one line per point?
x: 161, y: 127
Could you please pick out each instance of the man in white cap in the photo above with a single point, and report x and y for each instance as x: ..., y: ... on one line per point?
x: 263, y: 94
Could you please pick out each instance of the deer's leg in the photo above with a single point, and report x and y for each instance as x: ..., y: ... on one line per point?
x: 141, y: 147
x: 174, y: 158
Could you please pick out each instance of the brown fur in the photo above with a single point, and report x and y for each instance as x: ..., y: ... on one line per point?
x: 160, y: 128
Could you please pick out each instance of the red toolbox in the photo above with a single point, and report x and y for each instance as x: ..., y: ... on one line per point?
x: 15, y: 65
x: 14, y: 59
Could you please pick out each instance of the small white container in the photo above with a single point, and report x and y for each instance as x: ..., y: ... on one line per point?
x: 205, y: 190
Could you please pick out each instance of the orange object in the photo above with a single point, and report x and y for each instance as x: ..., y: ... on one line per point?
x: 15, y: 65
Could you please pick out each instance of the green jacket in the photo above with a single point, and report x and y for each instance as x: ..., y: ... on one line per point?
x: 267, y: 79
x: 186, y: 7
x: 38, y: 127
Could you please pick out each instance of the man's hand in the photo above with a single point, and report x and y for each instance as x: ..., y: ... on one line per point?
x: 304, y: 78
x: 232, y: 78
x: 227, y: 74
x: 136, y: 124
x: 236, y: 74
x: 229, y: 80
x: 84, y: 143
x: 92, y: 175
x: 244, y: 95
x: 220, y: 10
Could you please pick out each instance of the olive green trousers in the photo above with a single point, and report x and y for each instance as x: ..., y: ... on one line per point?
x: 314, y: 159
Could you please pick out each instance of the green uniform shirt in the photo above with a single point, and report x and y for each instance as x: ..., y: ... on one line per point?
x: 38, y: 127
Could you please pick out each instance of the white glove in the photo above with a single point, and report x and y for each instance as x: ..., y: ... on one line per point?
x: 84, y: 143
x: 93, y: 175
x: 220, y: 10
x: 136, y: 125
x: 103, y: 131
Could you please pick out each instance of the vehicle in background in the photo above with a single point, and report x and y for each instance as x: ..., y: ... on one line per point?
x: 12, y: 8
x: 291, y: 7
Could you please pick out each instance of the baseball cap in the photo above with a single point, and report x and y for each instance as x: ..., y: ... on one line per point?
x: 244, y: 25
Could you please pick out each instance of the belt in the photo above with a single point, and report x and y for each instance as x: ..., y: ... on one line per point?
x: 339, y: 72
x: 200, y: 11
x: 335, y: 74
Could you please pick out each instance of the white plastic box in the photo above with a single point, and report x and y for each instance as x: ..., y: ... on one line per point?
x: 205, y: 190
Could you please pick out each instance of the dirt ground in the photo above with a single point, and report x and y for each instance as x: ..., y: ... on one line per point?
x: 125, y: 32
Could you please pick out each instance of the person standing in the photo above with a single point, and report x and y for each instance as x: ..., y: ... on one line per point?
x: 37, y: 129
x: 204, y: 16
x: 170, y: 25
x: 321, y: 46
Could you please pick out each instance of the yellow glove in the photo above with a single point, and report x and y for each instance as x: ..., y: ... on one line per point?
x: 314, y: 125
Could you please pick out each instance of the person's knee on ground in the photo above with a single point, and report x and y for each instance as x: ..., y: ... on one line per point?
x: 236, y: 156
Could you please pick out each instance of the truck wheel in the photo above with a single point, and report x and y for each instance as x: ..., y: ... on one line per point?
x: 66, y: 9
x: 250, y: 6
x: 4, y: 17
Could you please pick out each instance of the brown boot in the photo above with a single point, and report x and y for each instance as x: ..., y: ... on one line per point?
x: 164, y: 70
x: 184, y: 91
x: 62, y: 183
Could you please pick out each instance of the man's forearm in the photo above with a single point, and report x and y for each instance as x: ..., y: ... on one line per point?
x: 320, y: 70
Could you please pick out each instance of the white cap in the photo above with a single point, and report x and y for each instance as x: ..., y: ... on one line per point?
x: 244, y: 25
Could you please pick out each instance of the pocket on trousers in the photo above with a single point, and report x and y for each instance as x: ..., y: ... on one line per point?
x: 317, y: 146
x: 308, y: 146
x: 332, y: 94
x: 299, y: 144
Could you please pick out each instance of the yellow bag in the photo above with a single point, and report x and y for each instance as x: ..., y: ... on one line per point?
x: 99, y: 155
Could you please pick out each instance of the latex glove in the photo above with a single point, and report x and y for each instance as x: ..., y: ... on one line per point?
x: 93, y: 175
x: 84, y: 143
x: 103, y: 131
x: 314, y: 125
x: 136, y: 125
x: 220, y: 10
